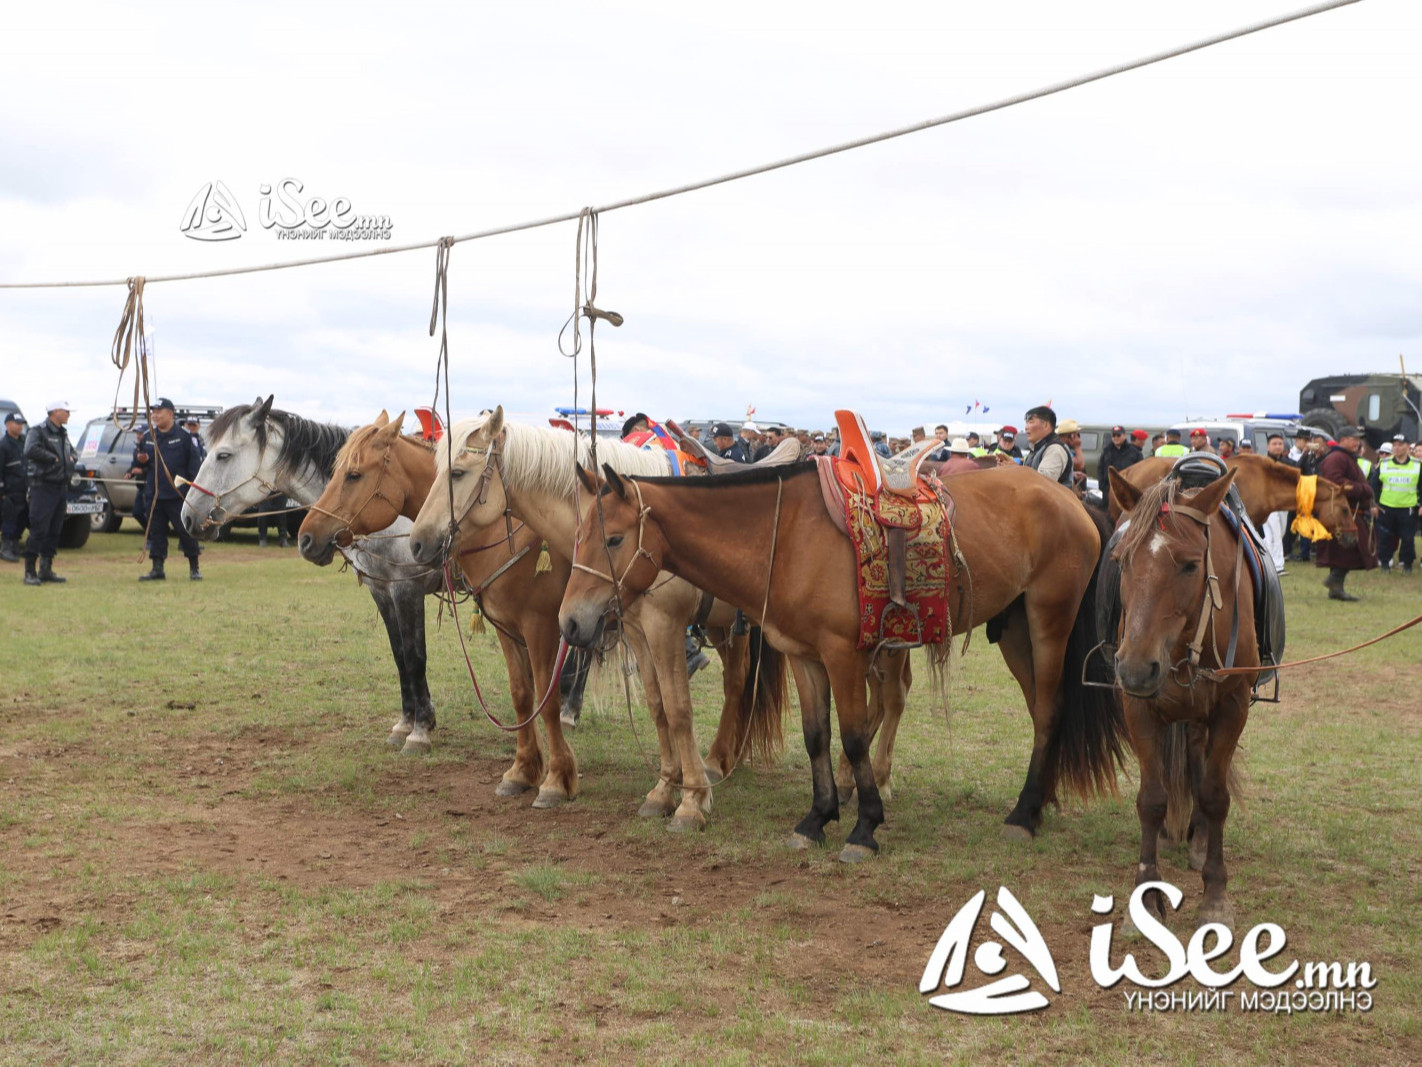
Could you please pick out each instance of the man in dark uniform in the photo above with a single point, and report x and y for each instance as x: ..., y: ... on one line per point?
x: 16, y: 509
x: 727, y: 447
x: 1118, y: 455
x: 1340, y: 466
x: 164, y: 454
x: 194, y: 429
x: 50, y: 463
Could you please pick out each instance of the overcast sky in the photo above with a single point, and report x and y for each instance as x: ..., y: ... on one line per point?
x: 1199, y: 237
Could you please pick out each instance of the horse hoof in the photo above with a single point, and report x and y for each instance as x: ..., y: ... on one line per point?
x: 550, y: 798
x: 855, y: 854
x: 680, y: 824
x: 1012, y: 832
x: 1221, y: 912
x: 800, y: 841
x: 570, y: 721
x: 512, y: 789
x: 396, y: 739
x: 886, y: 792
x: 846, y: 795
x: 415, y: 748
x: 650, y: 809
x: 713, y: 774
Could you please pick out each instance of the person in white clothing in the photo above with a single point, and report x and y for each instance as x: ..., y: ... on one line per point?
x: 1277, y: 524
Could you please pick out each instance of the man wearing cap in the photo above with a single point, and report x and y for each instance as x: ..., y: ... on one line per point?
x: 13, y: 484
x: 1200, y: 440
x: 1340, y: 466
x: 194, y: 429
x: 1050, y: 455
x: 164, y: 454
x: 1172, y: 449
x: 727, y: 447
x: 1225, y: 445
x: 50, y: 463
x: 819, y: 446
x: 1118, y: 455
x: 1006, y: 444
x: 1394, y: 480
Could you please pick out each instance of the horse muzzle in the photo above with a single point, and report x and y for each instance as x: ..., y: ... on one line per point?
x: 319, y: 554
x: 582, y: 627
x: 1140, y: 678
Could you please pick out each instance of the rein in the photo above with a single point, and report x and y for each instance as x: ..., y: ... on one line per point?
x: 1211, y: 602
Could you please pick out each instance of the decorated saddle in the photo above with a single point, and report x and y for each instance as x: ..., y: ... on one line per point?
x: 900, y: 528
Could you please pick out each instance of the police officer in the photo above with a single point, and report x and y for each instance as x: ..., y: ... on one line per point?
x: 1394, y: 480
x: 50, y: 463
x: 16, y: 509
x: 1172, y: 447
x: 194, y: 429
x: 165, y: 453
x: 727, y: 447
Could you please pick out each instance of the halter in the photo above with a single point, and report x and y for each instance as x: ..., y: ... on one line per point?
x: 492, y: 466
x: 1212, y: 601
x: 642, y: 512
x: 347, y: 525
x: 211, y: 520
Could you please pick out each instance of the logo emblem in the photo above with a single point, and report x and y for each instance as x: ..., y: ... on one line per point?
x: 1004, y: 996
x: 214, y: 215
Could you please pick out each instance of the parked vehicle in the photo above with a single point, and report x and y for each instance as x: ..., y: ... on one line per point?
x: 1382, y: 404
x: 1254, y: 428
x: 85, y: 498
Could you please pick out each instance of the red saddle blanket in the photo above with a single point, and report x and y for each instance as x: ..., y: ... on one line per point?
x: 868, y: 518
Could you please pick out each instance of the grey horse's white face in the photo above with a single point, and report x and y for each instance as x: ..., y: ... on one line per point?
x: 237, y: 473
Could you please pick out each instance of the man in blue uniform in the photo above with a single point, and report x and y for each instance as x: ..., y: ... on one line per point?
x: 164, y: 454
x: 13, y: 487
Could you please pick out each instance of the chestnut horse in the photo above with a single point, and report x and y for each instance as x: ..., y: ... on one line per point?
x: 509, y: 473
x: 380, y: 474
x: 765, y: 541
x: 1180, y: 579
x: 1264, y: 486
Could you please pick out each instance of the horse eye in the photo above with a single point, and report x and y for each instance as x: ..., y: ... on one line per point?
x: 223, y: 457
x: 1190, y: 568
x: 456, y: 472
x: 352, y: 476
x: 615, y: 541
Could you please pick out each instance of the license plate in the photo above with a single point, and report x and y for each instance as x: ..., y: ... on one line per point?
x: 84, y: 509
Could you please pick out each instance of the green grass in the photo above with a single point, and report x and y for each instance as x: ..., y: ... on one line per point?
x: 259, y: 878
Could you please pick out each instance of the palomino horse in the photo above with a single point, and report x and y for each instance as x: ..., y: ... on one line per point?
x: 253, y: 452
x: 1181, y: 578
x: 1264, y: 487
x: 380, y: 475
x: 505, y: 472
x: 765, y: 541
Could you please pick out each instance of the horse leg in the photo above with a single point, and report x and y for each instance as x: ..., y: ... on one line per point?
x: 894, y: 689
x: 1048, y: 627
x: 813, y: 684
x: 1146, y: 730
x: 560, y: 784
x: 846, y: 668
x: 409, y: 602
x: 1015, y: 644
x: 1199, y: 825
x: 408, y: 702
x: 844, y: 771
x: 665, y: 633
x: 661, y: 800
x: 734, y: 651
x: 527, y: 766
x: 1226, y: 724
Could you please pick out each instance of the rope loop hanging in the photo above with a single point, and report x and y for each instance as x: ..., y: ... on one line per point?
x: 130, y: 339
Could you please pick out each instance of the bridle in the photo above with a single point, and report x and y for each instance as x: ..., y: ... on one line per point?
x: 641, y: 552
x: 492, y: 466
x: 348, y: 524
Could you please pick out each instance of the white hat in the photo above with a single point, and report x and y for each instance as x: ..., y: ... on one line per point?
x: 57, y: 405
x: 748, y: 425
x: 1386, y: 446
x: 960, y: 447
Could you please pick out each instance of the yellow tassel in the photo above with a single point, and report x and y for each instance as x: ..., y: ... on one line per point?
x: 1304, y: 524
x: 545, y: 561
x: 476, y: 621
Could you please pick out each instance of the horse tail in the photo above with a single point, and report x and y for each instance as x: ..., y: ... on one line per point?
x: 1086, y: 749
x: 761, y: 709
x: 1178, y: 781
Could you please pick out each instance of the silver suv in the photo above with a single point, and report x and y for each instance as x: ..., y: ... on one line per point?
x: 1253, y: 428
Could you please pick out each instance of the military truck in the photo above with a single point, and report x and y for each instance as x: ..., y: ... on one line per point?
x: 1382, y: 404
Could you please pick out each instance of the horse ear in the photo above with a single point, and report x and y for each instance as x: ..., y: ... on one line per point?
x: 1122, y: 491
x: 263, y: 410
x: 585, y: 476
x: 1212, y: 495
x: 614, y: 481
x: 494, y: 425
x: 383, y: 419
x: 396, y: 426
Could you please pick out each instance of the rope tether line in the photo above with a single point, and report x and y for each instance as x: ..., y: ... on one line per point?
x: 748, y: 172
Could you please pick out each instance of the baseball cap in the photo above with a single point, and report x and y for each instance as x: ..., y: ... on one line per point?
x: 1118, y: 429
x: 1007, y: 431
x: 1399, y: 437
x: 1349, y: 431
x: 1385, y: 447
x: 163, y: 402
x: 818, y: 436
x: 1172, y: 432
x: 1139, y: 435
x: 14, y: 416
x: 721, y: 429
x: 57, y: 405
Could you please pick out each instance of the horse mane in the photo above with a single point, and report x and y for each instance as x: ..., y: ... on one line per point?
x: 1148, y: 507
x: 754, y: 474
x: 541, y: 458
x: 304, y: 442
x: 360, y: 437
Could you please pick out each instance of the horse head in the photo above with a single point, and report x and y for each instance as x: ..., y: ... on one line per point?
x: 1331, y: 508
x: 240, y: 469
x: 366, y: 492
x: 467, y: 492
x: 1169, y: 576
x: 618, y: 555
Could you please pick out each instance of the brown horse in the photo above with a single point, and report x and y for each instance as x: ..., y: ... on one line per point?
x: 380, y: 474
x: 1264, y: 486
x: 1181, y: 580
x: 765, y: 541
